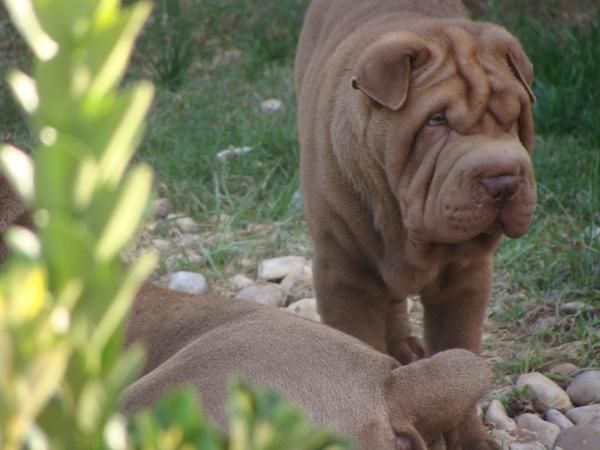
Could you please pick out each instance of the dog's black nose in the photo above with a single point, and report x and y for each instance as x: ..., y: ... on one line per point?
x: 501, y: 188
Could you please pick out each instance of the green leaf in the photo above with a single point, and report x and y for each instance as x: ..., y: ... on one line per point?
x: 44, y: 376
x: 65, y: 21
x: 59, y: 104
x: 92, y: 402
x: 110, y: 46
x: 23, y: 241
x: 58, y: 166
x: 23, y: 16
x: 124, y: 371
x: 18, y: 169
x: 117, y: 310
x: 128, y: 115
x: 25, y: 90
x: 67, y: 248
x: 126, y: 214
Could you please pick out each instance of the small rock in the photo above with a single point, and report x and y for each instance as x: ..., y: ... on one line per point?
x: 246, y: 263
x: 547, y: 394
x: 162, y: 245
x: 193, y: 257
x: 190, y: 282
x: 585, y: 415
x: 564, y: 369
x: 226, y: 154
x: 503, y: 438
x: 162, y: 207
x: 544, y: 323
x: 296, y: 201
x: 585, y: 388
x: 546, y: 432
x: 573, y: 307
x: 187, y: 225
x: 578, y: 438
x: 527, y: 446
x: 496, y: 416
x: 563, y: 351
x: 266, y: 294
x: 271, y: 105
x: 307, y: 307
x: 239, y: 282
x: 559, y: 419
x: 187, y: 240
x: 298, y: 285
x: 278, y: 268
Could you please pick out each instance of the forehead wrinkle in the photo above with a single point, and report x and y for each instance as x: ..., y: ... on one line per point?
x: 466, y: 51
x: 509, y: 100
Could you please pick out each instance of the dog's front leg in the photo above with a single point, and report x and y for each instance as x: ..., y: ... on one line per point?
x: 351, y: 299
x: 455, y: 312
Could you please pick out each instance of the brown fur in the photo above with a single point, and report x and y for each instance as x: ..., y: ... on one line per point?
x: 399, y: 202
x: 340, y: 381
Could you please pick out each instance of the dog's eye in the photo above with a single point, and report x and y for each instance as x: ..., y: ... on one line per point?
x: 437, y: 120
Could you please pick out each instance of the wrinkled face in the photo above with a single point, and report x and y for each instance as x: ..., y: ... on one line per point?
x: 457, y: 186
x: 457, y: 146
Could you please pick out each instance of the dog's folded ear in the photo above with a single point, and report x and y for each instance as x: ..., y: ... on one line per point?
x: 505, y: 45
x: 383, y: 70
x: 522, y: 69
x: 436, y: 393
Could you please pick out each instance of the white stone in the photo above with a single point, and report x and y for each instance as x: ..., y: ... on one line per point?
x: 503, y: 438
x: 190, y: 282
x: 557, y: 418
x: 161, y: 245
x: 585, y: 415
x: 526, y: 446
x: 278, y: 268
x: 545, y: 432
x: 564, y: 369
x: 574, y: 307
x: 271, y: 105
x: 307, y: 307
x: 496, y: 416
x: 546, y: 393
x: 239, y: 282
x: 298, y: 285
x: 162, y: 207
x: 230, y: 152
x: 578, y: 438
x: 266, y: 294
x: 187, y: 225
x: 585, y: 388
x: 193, y: 257
x: 187, y: 240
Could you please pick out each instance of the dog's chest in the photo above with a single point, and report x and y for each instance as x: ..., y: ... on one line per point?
x: 404, y: 279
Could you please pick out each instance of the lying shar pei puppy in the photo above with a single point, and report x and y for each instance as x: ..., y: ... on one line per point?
x: 340, y: 381
x: 416, y: 131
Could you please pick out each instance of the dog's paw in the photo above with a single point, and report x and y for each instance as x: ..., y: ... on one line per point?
x: 470, y: 435
x: 408, y: 350
x: 481, y: 444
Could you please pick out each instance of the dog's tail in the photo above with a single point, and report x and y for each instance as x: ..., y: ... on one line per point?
x: 436, y: 393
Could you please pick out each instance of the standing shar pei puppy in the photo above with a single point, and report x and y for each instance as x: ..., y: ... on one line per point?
x: 416, y: 130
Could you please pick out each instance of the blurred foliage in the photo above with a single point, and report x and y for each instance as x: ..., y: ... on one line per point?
x: 64, y: 294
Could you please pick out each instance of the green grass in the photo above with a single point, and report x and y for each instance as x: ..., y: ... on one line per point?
x: 559, y: 259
